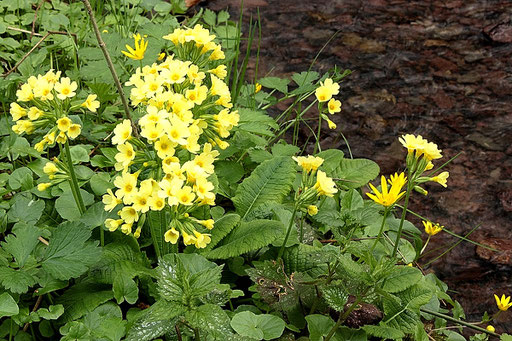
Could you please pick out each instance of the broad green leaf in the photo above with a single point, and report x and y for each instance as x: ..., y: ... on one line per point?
x: 259, y: 327
x: 248, y: 236
x: 26, y: 209
x: 8, y: 306
x: 17, y: 281
x: 383, y: 332
x: 284, y: 149
x: 79, y: 154
x: 125, y: 289
x: 396, y: 315
x: 22, y: 179
x: 401, y: 278
x: 66, y: 205
x: 269, y: 182
x: 355, y: 173
x: 83, y: 298
x: 155, y: 321
x: 280, y: 84
x: 332, y: 159
x: 305, y: 77
x: 335, y: 296
x: 69, y: 254
x: 211, y: 320
x: 352, y: 200
x: 22, y: 242
x: 100, y: 182
x: 318, y: 326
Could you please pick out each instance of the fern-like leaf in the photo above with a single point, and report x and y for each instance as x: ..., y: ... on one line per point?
x: 270, y: 182
x: 248, y: 236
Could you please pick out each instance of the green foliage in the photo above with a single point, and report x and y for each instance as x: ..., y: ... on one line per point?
x: 258, y: 327
x: 269, y: 182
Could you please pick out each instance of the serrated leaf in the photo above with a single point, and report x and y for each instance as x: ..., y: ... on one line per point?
x: 383, y: 332
x: 17, y: 281
x: 83, y: 298
x: 305, y: 77
x: 155, y: 321
x: 8, y: 306
x: 355, y: 173
x: 248, y: 236
x: 22, y: 242
x: 335, y: 296
x: 398, y: 316
x: 211, y: 320
x: 416, y: 296
x: 269, y: 182
x: 401, y: 278
x: 222, y: 227
x: 280, y: 84
x: 69, y: 254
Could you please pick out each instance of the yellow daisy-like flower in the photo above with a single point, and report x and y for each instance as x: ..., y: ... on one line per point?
x: 326, y: 90
x: 138, y: 52
x: 503, y: 303
x: 441, y: 178
x: 65, y: 88
x: 432, y: 229
x: 387, y: 197
x: 91, y: 103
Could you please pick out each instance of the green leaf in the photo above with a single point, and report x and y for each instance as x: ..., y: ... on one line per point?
x: 416, y: 295
x: 318, y: 326
x: 396, y: 315
x: 21, y: 243
x: 248, y: 236
x: 125, y: 289
x: 21, y: 179
x: 155, y: 321
x: 383, y: 332
x: 83, y: 298
x: 401, y: 278
x: 352, y: 200
x: 66, y: 205
x: 222, y: 227
x: 211, y: 320
x: 284, y: 149
x: 269, y: 182
x: 8, y: 306
x: 259, y: 327
x: 79, y: 154
x: 100, y: 182
x: 506, y: 337
x: 335, y: 296
x: 53, y: 312
x: 332, y: 159
x: 69, y: 254
x: 26, y: 209
x: 280, y: 84
x: 305, y: 78
x: 95, y: 215
x: 355, y: 173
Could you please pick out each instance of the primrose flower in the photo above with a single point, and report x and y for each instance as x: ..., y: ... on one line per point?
x: 432, y: 229
x: 312, y: 210
x: 326, y: 90
x: 50, y: 168
x: 309, y: 163
x: 441, y: 178
x: 91, y: 103
x: 74, y: 130
x: 503, y: 303
x: 65, y: 89
x: 171, y: 236
x: 122, y: 132
x: 388, y: 197
x: 43, y: 186
x: 333, y: 106
x: 140, y: 48
x: 324, y: 185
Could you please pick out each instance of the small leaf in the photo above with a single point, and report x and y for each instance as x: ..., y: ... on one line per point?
x: 8, y: 306
x: 401, y: 278
x: 22, y: 242
x: 259, y: 327
x: 66, y: 205
x: 280, y: 84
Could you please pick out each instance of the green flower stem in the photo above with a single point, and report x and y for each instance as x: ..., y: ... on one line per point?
x: 426, y: 243
x: 292, y: 219
x: 454, y: 320
x: 73, y: 182
x: 410, y: 186
x: 317, y: 144
x: 343, y: 317
x: 386, y: 211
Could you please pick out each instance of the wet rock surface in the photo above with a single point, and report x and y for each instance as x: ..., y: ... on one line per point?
x: 442, y: 69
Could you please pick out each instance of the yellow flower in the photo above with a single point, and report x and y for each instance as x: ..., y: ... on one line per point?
x: 431, y: 151
x: 413, y: 143
x: 138, y: 52
x: 334, y: 106
x: 503, y: 303
x: 61, y: 138
x: 141, y: 202
x: 331, y: 124
x: 50, y: 168
x: 43, y: 186
x: 490, y: 328
x: 156, y: 203
x: 326, y: 90
x: 74, y: 130
x: 221, y: 72
x: 127, y: 184
x: 161, y: 56
x: 309, y: 163
x: 388, y: 198
x: 129, y: 214
x: 185, y: 196
x: 432, y: 229
x: 110, y: 200
x: 188, y: 239
x: 441, y: 178
x: 126, y: 154
x: 34, y: 113
x: 171, y: 236
x: 65, y: 89
x: 201, y: 240
x: 127, y: 228
x: 113, y: 224
x: 312, y: 210
x: 122, y: 132
x: 63, y: 124
x: 324, y: 185
x: 257, y: 88
x: 91, y: 103
x: 17, y: 111
x: 209, y: 223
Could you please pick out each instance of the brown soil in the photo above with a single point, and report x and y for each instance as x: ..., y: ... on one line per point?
x: 439, y: 68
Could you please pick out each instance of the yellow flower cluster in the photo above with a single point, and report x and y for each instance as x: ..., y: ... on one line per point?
x: 315, y: 183
x: 420, y: 154
x: 47, y: 100
x: 187, y: 107
x: 324, y: 93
